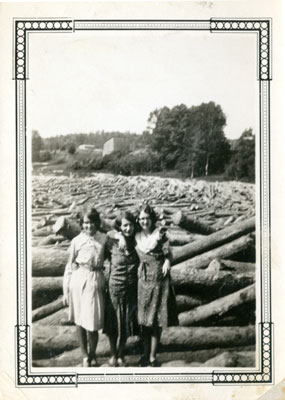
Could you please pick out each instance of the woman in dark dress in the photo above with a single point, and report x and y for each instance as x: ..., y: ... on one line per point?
x: 121, y: 301
x: 156, y: 299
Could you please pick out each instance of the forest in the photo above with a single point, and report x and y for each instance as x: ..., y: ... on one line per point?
x: 188, y: 140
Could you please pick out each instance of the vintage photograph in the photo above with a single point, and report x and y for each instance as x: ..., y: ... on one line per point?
x: 143, y: 199
x: 142, y: 189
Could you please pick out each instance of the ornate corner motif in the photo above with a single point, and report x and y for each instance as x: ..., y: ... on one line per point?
x: 262, y: 28
x: 21, y: 30
x: 264, y: 375
x: 24, y: 377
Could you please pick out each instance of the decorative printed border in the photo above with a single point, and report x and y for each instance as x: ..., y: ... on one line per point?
x: 262, y: 376
x: 24, y: 376
x: 262, y: 28
x: 22, y: 371
x: 22, y: 28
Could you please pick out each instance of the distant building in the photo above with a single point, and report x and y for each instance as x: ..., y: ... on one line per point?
x: 86, y: 147
x: 116, y: 144
x: 91, y: 150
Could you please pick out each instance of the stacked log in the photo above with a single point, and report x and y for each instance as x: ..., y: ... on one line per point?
x: 225, y: 251
x: 211, y: 232
x: 48, y: 309
x: 217, y: 307
x: 52, y: 340
x: 213, y: 240
x: 217, y: 357
x: 47, y: 262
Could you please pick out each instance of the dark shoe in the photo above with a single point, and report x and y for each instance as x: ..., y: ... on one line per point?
x: 154, y: 363
x: 143, y: 362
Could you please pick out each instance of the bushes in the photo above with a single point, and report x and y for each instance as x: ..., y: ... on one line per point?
x: 37, y: 146
x: 39, y: 153
x: 44, y: 156
x: 95, y: 164
x: 76, y: 165
x: 71, y: 148
x: 242, y: 162
x: 122, y: 163
x: 136, y: 163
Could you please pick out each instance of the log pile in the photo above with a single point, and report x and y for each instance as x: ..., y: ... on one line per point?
x: 211, y: 231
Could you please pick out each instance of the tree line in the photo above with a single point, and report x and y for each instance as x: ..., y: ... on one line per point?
x: 189, y: 140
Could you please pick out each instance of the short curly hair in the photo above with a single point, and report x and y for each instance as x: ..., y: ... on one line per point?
x: 92, y: 214
x: 124, y: 215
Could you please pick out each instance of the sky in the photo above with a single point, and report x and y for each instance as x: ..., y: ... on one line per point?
x: 89, y: 81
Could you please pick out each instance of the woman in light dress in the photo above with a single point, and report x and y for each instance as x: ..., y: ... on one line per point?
x: 84, y: 285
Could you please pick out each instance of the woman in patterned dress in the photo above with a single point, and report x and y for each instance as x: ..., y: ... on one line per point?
x: 156, y: 300
x: 84, y: 284
x: 121, y: 303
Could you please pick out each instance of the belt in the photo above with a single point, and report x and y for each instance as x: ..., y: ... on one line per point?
x: 87, y: 266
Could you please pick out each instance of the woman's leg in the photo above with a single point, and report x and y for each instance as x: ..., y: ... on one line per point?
x: 121, y: 348
x: 155, y: 338
x: 82, y: 338
x: 122, y: 334
x: 113, y: 337
x: 93, y: 341
x: 113, y: 349
x: 121, y: 314
x: 121, y: 351
x: 146, y: 337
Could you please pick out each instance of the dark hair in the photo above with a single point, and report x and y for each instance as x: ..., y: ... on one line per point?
x: 124, y: 215
x: 93, y: 215
x: 146, y: 208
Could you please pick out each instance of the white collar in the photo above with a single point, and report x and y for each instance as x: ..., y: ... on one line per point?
x: 147, y: 242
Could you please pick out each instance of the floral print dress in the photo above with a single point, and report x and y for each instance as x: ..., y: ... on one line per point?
x: 156, y: 299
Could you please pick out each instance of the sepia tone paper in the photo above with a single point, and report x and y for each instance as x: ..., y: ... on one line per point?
x: 9, y: 240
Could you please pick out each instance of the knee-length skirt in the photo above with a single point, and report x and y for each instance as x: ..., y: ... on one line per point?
x: 86, y: 299
x: 156, y: 297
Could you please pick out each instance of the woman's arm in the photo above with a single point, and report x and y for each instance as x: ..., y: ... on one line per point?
x: 68, y: 272
x: 166, y: 267
x: 106, y: 256
x: 167, y: 254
